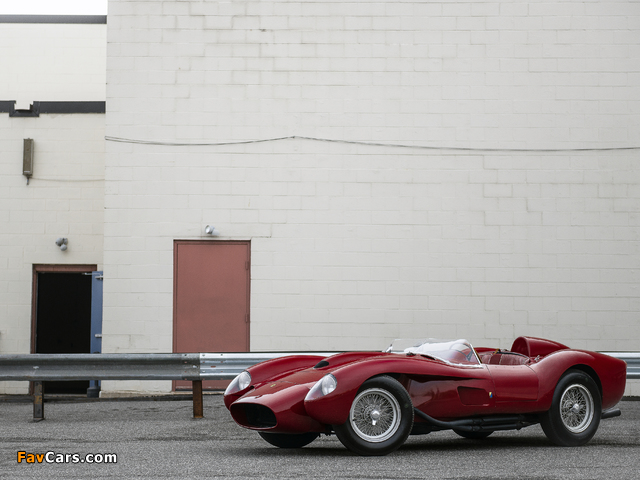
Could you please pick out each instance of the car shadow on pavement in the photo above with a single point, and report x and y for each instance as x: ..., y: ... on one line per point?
x: 331, y: 447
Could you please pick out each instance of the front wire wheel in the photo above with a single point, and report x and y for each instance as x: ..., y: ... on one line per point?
x: 380, y: 418
x: 575, y: 412
x: 375, y: 415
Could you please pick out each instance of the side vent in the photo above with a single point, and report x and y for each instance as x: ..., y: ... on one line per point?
x: 474, y: 396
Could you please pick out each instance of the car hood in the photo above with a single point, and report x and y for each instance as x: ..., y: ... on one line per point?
x: 309, y: 376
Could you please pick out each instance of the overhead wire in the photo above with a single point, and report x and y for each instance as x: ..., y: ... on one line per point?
x: 371, y: 144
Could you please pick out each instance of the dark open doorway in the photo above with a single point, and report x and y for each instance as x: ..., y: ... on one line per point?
x: 62, y: 316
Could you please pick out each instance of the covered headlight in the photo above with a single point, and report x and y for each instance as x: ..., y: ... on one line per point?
x: 328, y: 384
x: 239, y: 383
x: 324, y: 386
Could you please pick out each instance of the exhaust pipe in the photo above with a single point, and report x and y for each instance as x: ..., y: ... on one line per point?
x: 482, y: 424
x: 610, y: 413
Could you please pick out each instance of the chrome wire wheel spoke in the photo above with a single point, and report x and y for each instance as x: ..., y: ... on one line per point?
x: 375, y: 415
x: 576, y: 408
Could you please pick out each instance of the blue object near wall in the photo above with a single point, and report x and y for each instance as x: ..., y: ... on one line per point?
x: 96, y: 326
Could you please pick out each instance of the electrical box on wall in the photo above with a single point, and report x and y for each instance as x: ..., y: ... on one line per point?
x: 27, y: 158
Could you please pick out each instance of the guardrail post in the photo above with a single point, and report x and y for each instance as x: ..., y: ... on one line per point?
x: 197, y: 399
x: 38, y: 401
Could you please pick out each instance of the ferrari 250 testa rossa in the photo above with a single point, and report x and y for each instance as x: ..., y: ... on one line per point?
x: 373, y: 401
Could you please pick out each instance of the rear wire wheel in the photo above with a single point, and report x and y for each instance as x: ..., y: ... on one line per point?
x: 574, y: 416
x: 380, y: 418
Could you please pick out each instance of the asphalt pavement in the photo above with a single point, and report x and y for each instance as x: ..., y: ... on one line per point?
x: 160, y: 439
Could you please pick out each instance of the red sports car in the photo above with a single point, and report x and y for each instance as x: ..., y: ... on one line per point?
x: 373, y: 401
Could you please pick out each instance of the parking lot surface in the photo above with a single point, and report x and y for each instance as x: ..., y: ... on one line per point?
x: 160, y: 439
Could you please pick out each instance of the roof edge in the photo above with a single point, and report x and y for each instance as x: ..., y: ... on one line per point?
x: 61, y: 19
x: 36, y: 108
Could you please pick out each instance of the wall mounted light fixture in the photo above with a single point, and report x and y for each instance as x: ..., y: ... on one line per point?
x: 62, y: 243
x: 211, y: 230
x: 27, y: 158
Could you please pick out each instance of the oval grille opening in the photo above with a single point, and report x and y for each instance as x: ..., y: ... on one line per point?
x: 252, y: 415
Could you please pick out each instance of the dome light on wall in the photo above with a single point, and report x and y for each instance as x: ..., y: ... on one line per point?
x: 62, y: 243
x: 211, y: 230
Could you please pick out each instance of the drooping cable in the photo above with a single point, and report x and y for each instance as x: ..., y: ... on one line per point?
x: 371, y: 144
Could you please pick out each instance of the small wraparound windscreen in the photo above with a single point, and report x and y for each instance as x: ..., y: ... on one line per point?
x: 451, y: 351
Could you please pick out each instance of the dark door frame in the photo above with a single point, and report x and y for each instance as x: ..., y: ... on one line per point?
x: 48, y: 268
x: 41, y: 268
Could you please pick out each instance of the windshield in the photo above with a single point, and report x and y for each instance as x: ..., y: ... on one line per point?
x: 459, y: 352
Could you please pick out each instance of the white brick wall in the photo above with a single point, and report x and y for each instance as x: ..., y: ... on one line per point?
x: 65, y: 196
x: 52, y: 62
x: 354, y: 245
x: 510, y: 78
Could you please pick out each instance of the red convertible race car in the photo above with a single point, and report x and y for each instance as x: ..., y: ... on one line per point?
x: 373, y: 401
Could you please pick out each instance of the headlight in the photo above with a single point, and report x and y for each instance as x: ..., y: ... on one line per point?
x: 239, y: 383
x: 328, y: 384
x: 324, y: 386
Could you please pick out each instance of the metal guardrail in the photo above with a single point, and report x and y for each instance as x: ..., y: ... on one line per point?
x: 165, y: 366
x: 226, y: 366
x: 133, y: 366
x: 221, y: 366
x: 104, y: 366
x: 194, y: 367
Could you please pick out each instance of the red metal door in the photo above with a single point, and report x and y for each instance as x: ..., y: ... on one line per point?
x: 211, y: 299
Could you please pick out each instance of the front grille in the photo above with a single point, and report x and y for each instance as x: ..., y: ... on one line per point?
x: 252, y: 415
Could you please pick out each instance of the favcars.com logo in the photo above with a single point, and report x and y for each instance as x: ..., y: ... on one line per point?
x: 53, y: 457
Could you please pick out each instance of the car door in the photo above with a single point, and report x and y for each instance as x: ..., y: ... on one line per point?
x: 513, y: 384
x: 453, y: 391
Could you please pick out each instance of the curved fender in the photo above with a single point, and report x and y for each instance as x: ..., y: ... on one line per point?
x: 278, y: 367
x: 611, y: 373
x: 273, y: 370
x: 333, y: 409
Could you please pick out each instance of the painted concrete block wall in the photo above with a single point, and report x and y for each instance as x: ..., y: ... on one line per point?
x: 52, y: 62
x: 65, y: 196
x: 503, y: 226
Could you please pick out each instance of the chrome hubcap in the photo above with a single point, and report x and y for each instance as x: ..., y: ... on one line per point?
x: 576, y: 408
x: 375, y: 415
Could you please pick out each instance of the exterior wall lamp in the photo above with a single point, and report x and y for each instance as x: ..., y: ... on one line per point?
x: 211, y: 230
x: 62, y: 243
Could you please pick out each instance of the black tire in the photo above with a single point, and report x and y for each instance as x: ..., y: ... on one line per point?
x: 289, y: 440
x: 473, y: 435
x: 575, y: 410
x: 380, y: 418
